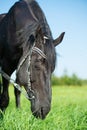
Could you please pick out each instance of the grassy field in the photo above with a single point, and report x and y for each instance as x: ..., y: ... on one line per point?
x: 68, y: 112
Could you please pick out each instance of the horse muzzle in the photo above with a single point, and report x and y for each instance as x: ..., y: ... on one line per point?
x: 40, y: 109
x: 41, y: 112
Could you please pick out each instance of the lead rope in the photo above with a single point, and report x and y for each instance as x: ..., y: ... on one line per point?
x: 17, y: 86
x: 6, y: 76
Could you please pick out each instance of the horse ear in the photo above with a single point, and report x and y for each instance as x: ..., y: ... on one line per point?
x: 58, y: 40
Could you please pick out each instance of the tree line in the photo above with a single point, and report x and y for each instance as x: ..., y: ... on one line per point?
x: 73, y: 80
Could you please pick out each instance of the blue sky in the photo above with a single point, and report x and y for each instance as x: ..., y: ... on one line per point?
x: 69, y: 16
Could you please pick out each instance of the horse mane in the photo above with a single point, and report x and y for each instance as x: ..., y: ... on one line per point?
x: 44, y: 30
x: 28, y: 1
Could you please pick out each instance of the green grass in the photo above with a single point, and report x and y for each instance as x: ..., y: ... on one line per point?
x: 68, y: 112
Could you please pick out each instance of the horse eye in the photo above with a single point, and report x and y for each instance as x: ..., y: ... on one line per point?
x: 42, y: 60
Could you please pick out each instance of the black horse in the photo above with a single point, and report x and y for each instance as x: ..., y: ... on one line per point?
x: 25, y: 34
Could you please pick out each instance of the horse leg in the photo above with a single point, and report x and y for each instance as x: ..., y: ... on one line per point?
x: 17, y: 97
x: 0, y: 88
x: 4, y: 97
x: 0, y: 85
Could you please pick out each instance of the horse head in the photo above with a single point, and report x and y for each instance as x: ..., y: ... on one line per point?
x: 38, y: 73
x: 41, y: 70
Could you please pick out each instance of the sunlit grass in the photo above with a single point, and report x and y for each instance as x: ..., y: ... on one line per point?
x: 68, y: 112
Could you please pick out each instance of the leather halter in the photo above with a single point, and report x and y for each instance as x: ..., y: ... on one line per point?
x: 28, y: 56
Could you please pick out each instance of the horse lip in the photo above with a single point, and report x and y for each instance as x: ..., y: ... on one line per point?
x: 41, y: 113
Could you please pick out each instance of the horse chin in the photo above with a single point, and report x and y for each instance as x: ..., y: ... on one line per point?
x: 39, y: 111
